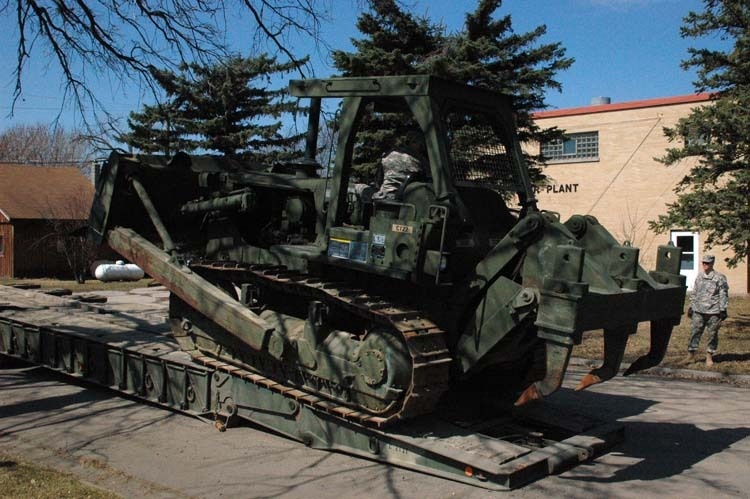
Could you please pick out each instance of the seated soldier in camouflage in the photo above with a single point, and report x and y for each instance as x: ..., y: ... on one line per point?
x: 398, y: 165
x: 708, y: 308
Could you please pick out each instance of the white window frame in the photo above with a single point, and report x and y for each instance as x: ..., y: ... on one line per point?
x: 576, y: 147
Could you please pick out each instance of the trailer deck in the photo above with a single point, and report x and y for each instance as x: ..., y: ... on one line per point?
x: 130, y: 350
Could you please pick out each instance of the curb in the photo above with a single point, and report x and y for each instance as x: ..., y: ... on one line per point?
x: 671, y: 372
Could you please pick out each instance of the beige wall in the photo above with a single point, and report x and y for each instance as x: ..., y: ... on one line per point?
x: 626, y: 187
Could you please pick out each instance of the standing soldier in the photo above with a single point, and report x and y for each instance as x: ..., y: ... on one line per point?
x: 708, y: 308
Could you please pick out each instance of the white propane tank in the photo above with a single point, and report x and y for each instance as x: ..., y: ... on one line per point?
x: 118, y: 271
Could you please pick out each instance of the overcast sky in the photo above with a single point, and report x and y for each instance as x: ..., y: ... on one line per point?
x: 624, y: 49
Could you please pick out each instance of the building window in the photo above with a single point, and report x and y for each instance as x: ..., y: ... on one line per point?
x: 572, y: 148
x: 2, y: 247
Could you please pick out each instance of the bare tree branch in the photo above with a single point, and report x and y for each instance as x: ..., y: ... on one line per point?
x: 88, y: 40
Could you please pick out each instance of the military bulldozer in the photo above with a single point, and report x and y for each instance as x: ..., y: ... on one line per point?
x: 457, y: 286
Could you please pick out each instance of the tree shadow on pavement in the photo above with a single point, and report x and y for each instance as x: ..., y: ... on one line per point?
x: 731, y: 357
x: 47, y: 404
x: 50, y: 408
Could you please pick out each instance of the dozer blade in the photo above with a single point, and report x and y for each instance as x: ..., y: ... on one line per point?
x: 661, y: 331
x: 615, y: 341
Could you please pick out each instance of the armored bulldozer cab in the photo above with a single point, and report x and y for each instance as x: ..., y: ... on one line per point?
x: 444, y: 219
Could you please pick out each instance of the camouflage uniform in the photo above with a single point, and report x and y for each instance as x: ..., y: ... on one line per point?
x: 709, y: 306
x: 397, y: 166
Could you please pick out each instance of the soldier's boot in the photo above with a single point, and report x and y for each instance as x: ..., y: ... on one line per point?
x: 688, y: 359
x: 709, y: 359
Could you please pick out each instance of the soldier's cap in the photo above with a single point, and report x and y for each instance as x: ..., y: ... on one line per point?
x: 708, y: 259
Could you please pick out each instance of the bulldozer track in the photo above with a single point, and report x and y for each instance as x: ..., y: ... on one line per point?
x: 426, y: 342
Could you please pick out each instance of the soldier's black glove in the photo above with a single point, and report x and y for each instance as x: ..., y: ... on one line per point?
x: 723, y: 315
x: 690, y: 312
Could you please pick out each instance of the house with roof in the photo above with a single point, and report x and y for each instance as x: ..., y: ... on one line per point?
x: 36, y: 202
x: 606, y: 167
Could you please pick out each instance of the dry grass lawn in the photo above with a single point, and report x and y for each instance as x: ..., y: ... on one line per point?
x: 22, y: 480
x: 733, y: 356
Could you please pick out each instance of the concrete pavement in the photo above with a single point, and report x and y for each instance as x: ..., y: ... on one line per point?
x: 683, y: 439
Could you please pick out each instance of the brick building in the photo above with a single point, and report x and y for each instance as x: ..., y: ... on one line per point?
x: 33, y: 200
x: 606, y: 168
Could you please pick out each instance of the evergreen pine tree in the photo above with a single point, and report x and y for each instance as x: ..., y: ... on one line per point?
x: 228, y: 108
x: 714, y: 198
x: 395, y: 43
x: 486, y: 53
x: 157, y: 129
